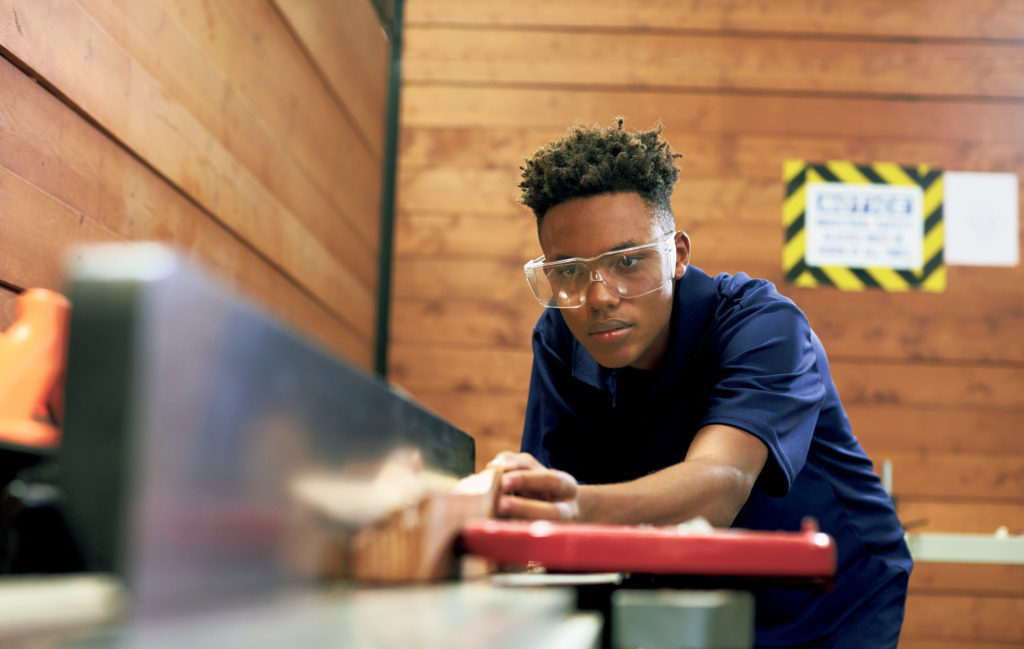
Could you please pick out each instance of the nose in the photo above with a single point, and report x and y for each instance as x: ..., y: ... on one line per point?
x: 599, y: 295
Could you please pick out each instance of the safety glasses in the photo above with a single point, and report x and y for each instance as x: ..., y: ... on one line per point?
x: 630, y: 272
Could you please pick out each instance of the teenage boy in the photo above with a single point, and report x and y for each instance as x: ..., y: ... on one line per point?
x: 660, y: 394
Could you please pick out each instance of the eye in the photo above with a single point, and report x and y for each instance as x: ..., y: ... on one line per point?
x: 628, y: 261
x: 565, y: 272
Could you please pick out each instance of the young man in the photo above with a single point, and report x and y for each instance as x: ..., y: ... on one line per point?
x: 660, y: 393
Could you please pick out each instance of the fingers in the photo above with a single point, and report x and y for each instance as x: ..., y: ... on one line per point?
x: 510, y: 461
x: 540, y: 484
x: 530, y: 509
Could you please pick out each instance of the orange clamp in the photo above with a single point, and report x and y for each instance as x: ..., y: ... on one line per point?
x: 33, y: 355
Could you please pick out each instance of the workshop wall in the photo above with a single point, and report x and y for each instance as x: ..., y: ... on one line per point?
x: 247, y: 132
x: 934, y: 382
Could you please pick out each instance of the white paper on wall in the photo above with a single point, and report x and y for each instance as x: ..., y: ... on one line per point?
x: 981, y: 220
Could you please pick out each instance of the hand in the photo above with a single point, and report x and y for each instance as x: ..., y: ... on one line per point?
x: 531, y: 490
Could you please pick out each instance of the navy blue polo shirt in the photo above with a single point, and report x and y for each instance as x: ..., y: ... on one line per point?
x: 743, y: 355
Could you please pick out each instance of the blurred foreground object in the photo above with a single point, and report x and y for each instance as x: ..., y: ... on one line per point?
x: 399, y: 525
x: 32, y: 359
x: 192, y: 415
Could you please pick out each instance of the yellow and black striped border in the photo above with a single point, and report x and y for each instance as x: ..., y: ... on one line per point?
x: 797, y: 174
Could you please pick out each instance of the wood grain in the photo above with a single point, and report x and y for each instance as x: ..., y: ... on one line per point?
x: 965, y: 618
x: 709, y: 154
x: 924, y: 333
x: 968, y: 19
x: 860, y: 382
x: 761, y: 114
x: 66, y: 182
x: 278, y: 78
x: 350, y: 49
x: 968, y: 516
x: 685, y: 62
x: 123, y: 97
x: 984, y: 578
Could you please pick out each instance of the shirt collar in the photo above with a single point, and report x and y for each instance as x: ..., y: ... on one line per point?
x: 693, y: 306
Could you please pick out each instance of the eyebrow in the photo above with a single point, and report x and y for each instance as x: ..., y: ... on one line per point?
x: 629, y: 243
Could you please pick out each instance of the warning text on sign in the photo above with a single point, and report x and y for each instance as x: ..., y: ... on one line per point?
x: 864, y: 226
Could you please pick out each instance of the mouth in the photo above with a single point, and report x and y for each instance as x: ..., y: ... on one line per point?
x: 608, y: 331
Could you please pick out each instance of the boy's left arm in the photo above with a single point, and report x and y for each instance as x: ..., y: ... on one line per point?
x: 713, y: 481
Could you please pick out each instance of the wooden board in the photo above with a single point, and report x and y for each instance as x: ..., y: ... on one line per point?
x: 964, y: 618
x: 925, y: 333
x: 971, y: 19
x: 859, y: 381
x: 279, y: 81
x: 688, y: 63
x: 990, y: 579
x: 708, y: 154
x: 162, y: 131
x: 967, y: 516
x: 952, y: 430
x: 427, y: 105
x: 351, y: 51
x: 936, y: 643
x: 501, y: 280
x: 67, y: 183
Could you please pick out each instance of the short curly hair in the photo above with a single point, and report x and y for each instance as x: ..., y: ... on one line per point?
x: 592, y: 160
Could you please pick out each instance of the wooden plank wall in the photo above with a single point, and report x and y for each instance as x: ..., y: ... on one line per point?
x: 248, y: 133
x: 933, y: 382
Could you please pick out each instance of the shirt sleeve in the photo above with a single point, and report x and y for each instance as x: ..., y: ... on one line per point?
x: 546, y: 406
x: 769, y: 385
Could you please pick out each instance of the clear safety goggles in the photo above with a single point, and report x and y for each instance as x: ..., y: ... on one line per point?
x: 630, y: 272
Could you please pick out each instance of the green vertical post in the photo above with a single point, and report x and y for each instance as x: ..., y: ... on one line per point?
x: 387, y: 203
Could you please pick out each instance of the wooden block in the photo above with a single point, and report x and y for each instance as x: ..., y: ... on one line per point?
x: 417, y: 543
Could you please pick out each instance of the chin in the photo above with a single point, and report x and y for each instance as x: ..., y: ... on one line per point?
x: 614, y: 360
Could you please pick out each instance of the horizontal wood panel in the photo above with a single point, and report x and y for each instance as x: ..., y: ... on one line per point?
x: 349, y: 47
x: 32, y: 246
x: 456, y: 370
x: 709, y: 62
x: 261, y: 69
x: 483, y: 415
x: 884, y: 428
x: 927, y: 333
x: 439, y: 106
x: 935, y: 18
x: 322, y: 175
x: 471, y: 195
x: 989, y: 579
x: 31, y: 256
x: 92, y: 189
x: 926, y: 384
x: 905, y: 430
x: 977, y: 618
x: 431, y: 234
x: 708, y: 154
x: 124, y: 98
x: 859, y: 382
x: 934, y: 643
x: 968, y: 516
x: 501, y: 280
x: 981, y: 477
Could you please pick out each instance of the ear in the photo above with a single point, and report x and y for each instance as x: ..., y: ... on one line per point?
x: 682, y: 254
